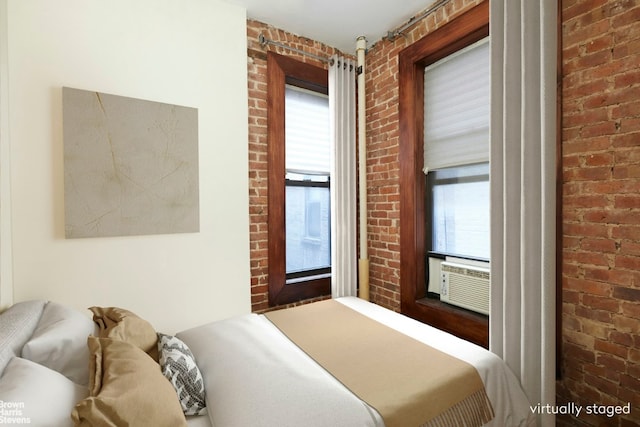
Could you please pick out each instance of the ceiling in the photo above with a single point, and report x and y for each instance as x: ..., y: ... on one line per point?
x: 337, y: 23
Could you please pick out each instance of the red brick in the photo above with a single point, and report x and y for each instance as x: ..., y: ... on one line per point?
x: 630, y: 231
x: 586, y: 89
x: 611, y: 187
x: 579, y: 338
x: 591, y: 145
x: 598, y: 44
x: 631, y: 16
x: 598, y: 245
x: 633, y: 397
x: 611, y: 362
x: 614, y: 99
x: 614, y: 277
x: 629, y: 78
x: 611, y: 216
x: 599, y: 159
x: 627, y: 201
x: 594, y: 59
x: 586, y: 230
x: 630, y: 124
x: 626, y: 140
x: 580, y: 8
x: 573, y: 351
x: 611, y: 348
x: 602, y: 384
x: 600, y: 320
x: 571, y: 298
x: 626, y: 171
x: 630, y: 383
x: 628, y: 262
x: 581, y: 34
x: 601, y: 303
x: 589, y: 258
x: 621, y: 338
x: 625, y: 110
x: 588, y: 174
x: 625, y: 324
x: 630, y: 248
x: 632, y: 310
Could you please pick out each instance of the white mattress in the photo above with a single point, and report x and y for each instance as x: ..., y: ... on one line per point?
x: 255, y: 376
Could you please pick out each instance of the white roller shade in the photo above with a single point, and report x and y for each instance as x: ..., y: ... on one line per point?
x: 456, y: 108
x: 308, y: 143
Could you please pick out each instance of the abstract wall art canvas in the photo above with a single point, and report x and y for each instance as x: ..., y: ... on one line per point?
x: 130, y: 166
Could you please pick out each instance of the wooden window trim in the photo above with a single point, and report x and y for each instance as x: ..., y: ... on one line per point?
x: 283, y: 70
x: 464, y: 30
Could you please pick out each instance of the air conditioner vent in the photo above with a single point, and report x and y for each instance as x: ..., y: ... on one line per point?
x: 466, y: 286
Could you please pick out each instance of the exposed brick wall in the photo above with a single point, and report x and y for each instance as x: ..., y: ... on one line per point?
x: 601, y: 207
x: 258, y: 189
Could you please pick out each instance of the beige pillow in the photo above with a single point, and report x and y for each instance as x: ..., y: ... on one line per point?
x: 121, y: 324
x: 126, y: 387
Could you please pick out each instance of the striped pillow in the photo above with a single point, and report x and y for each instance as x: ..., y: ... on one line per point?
x: 179, y: 367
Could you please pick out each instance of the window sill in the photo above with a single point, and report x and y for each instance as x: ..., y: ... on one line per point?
x: 308, y: 279
x: 471, y: 326
x: 303, y: 288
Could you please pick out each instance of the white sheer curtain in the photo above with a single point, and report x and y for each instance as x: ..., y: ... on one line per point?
x: 342, y: 111
x: 523, y: 196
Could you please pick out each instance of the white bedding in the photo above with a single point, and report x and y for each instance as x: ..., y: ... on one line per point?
x: 255, y: 376
x: 199, y: 421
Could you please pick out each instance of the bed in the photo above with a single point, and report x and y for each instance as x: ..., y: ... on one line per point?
x: 249, y: 370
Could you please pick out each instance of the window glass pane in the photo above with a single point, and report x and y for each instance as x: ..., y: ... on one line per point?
x: 460, y: 198
x: 308, y: 228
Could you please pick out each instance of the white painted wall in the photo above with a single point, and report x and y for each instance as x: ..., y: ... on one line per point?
x: 6, y: 264
x: 185, y: 52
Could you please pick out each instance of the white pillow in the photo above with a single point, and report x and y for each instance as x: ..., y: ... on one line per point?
x: 60, y: 342
x: 37, y: 395
x: 17, y: 324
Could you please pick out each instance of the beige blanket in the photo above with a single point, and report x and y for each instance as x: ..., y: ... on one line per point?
x: 407, y: 382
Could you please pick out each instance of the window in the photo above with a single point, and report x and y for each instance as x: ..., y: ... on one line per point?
x: 456, y: 155
x: 430, y: 205
x: 456, y: 152
x: 299, y: 185
x: 307, y: 164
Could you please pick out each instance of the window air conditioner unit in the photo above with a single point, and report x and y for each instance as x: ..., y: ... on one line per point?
x: 466, y: 286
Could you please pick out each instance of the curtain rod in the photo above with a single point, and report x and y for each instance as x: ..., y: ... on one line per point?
x: 265, y: 41
x: 392, y: 35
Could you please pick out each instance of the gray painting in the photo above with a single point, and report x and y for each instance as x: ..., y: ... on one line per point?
x: 130, y: 166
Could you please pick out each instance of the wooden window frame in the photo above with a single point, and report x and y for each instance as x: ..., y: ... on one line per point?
x: 282, y: 70
x: 463, y: 31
